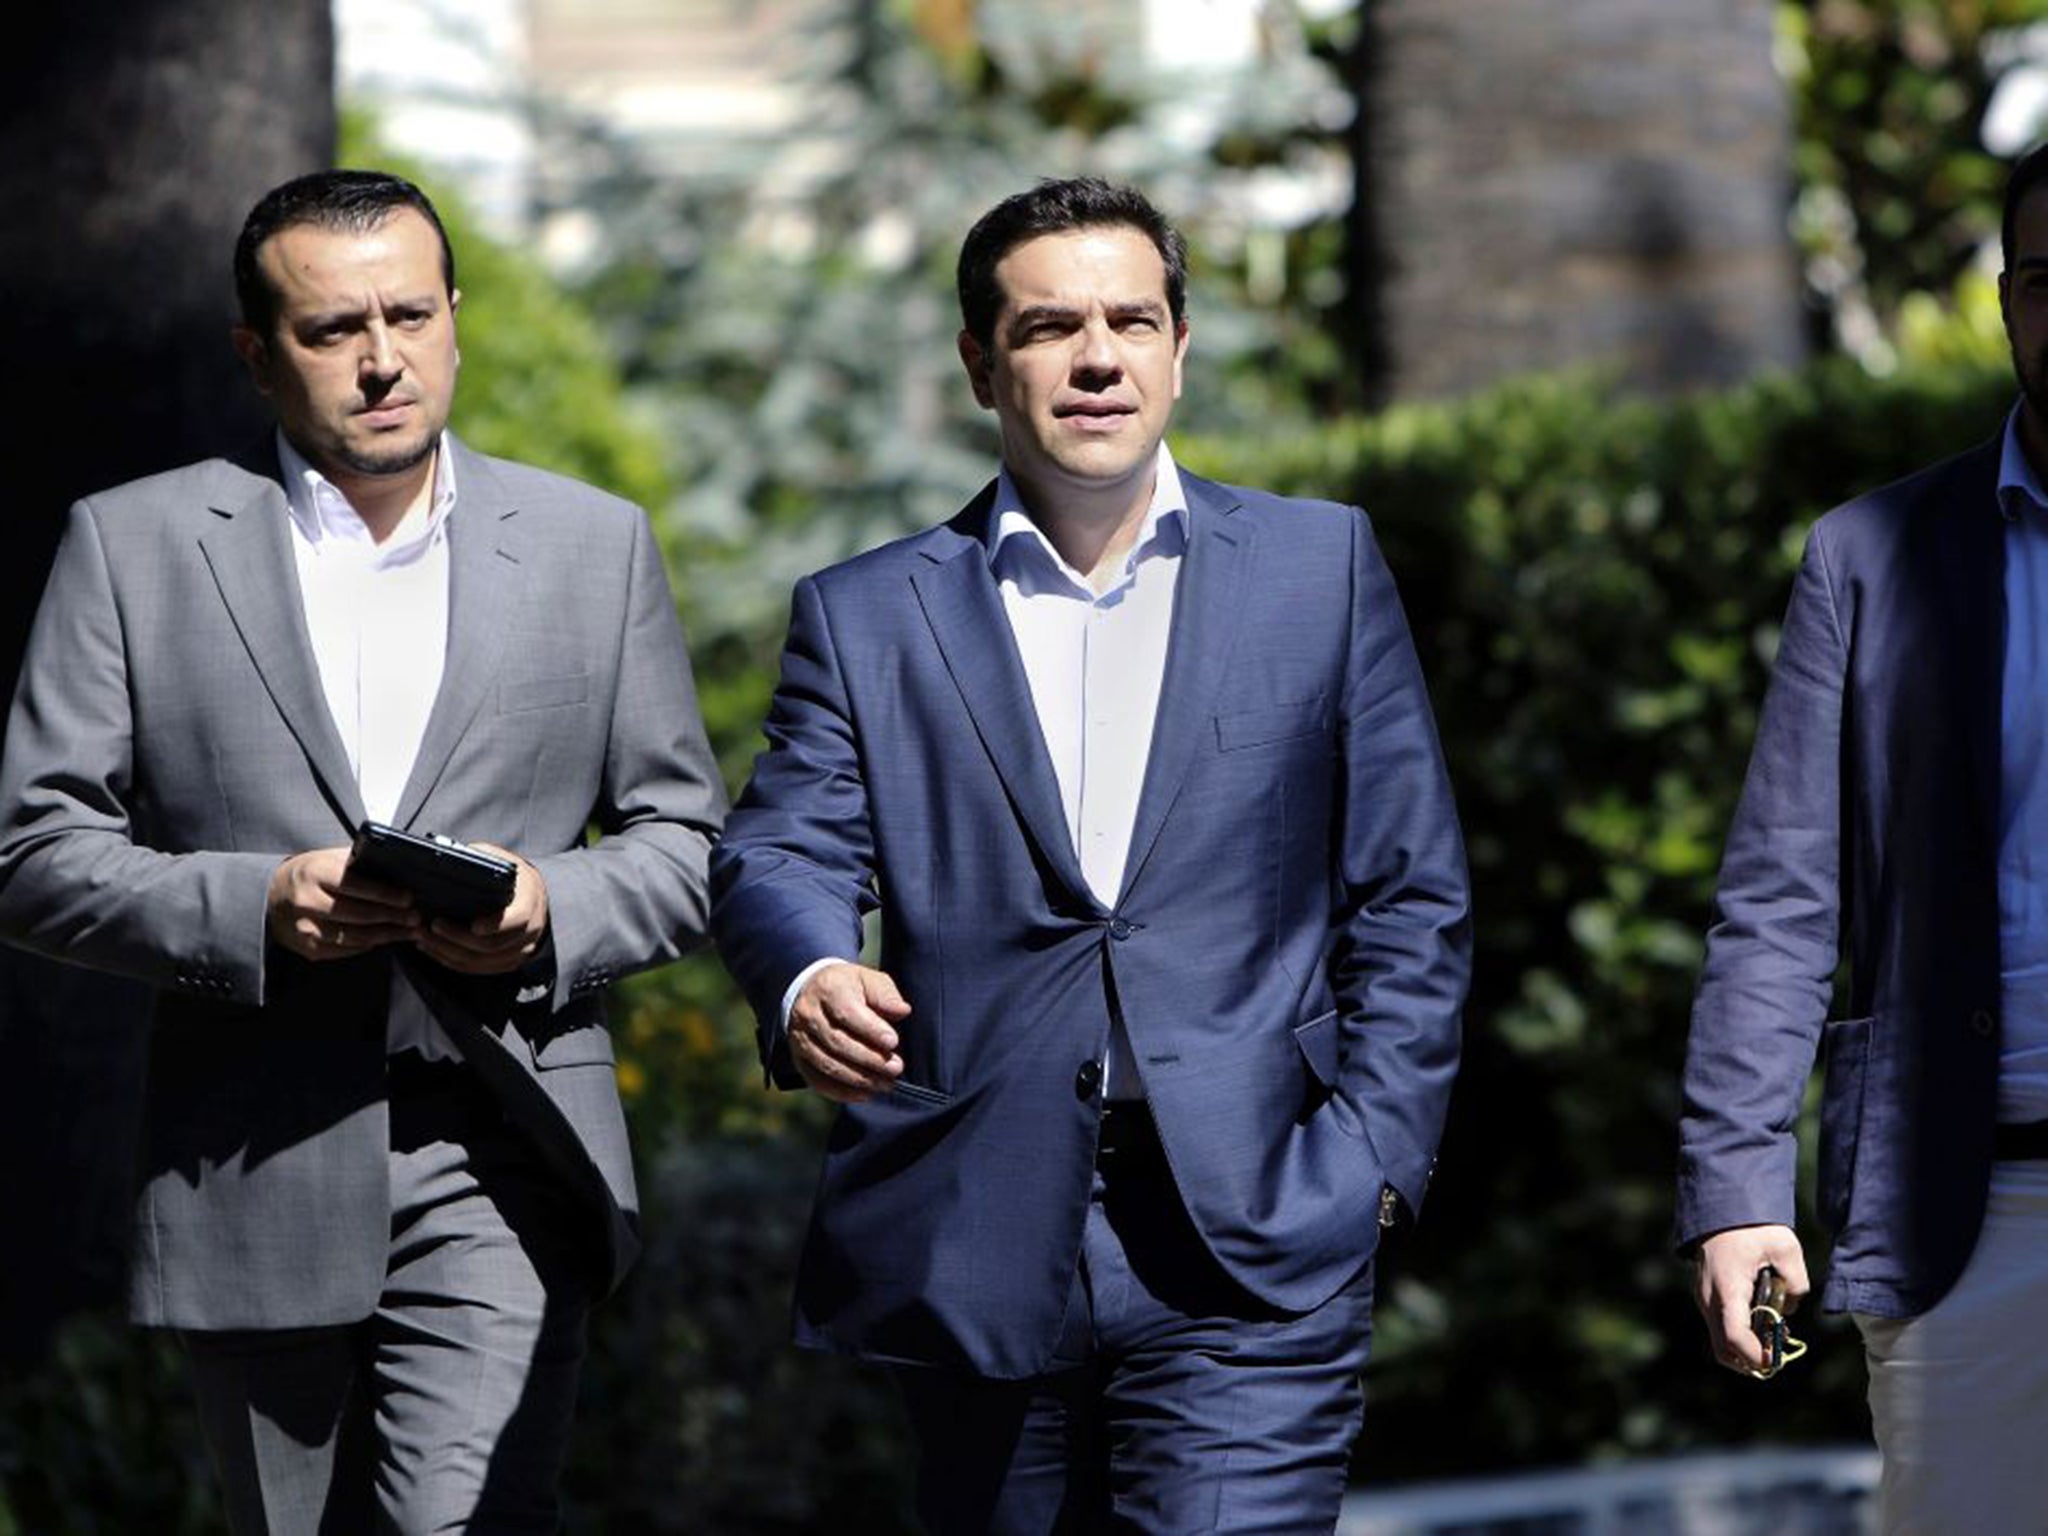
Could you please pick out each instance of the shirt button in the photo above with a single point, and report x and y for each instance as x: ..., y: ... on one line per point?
x: 1982, y: 1022
x: 1088, y: 1080
x: 1119, y: 929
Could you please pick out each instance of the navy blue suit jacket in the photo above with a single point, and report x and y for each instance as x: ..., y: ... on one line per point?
x: 1868, y: 822
x: 1289, y: 951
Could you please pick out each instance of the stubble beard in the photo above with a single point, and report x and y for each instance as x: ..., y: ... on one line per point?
x: 389, y: 461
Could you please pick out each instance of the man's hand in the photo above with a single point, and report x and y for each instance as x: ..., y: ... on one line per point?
x: 319, y: 911
x: 842, y: 1033
x: 501, y: 941
x: 1727, y: 1264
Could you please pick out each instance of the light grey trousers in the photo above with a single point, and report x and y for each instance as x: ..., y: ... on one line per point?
x: 448, y: 1408
x: 1959, y: 1394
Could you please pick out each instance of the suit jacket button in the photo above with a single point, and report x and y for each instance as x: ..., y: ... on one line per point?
x: 1088, y: 1080
x: 1119, y: 929
x: 1982, y: 1022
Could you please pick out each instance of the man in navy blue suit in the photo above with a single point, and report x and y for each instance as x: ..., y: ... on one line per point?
x: 1140, y: 772
x: 1896, y: 817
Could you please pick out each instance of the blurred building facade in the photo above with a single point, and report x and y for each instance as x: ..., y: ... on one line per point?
x: 707, y: 90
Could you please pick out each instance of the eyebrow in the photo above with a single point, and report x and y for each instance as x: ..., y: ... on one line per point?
x: 425, y: 299
x: 1128, y: 309
x: 1033, y: 313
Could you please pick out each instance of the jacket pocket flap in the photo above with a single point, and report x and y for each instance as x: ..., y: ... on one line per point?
x: 515, y: 694
x: 1280, y: 722
x: 583, y: 1045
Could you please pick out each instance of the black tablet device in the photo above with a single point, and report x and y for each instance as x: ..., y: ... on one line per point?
x: 446, y: 878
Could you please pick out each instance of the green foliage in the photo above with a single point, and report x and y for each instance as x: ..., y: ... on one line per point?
x: 1898, y: 193
x: 1595, y: 586
x: 698, y: 1415
x: 102, y: 1440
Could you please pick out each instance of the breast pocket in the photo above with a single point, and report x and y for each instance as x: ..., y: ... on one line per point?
x: 1276, y: 722
x: 516, y: 695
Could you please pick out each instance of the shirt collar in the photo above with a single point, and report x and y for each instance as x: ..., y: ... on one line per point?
x: 324, y: 515
x: 1163, y: 532
x: 2018, y: 485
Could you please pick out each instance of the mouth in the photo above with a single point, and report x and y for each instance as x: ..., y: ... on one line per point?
x: 1095, y: 415
x: 385, y: 413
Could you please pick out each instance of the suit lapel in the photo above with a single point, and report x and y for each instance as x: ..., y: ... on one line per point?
x: 1207, y: 603
x: 249, y: 552
x: 1968, y: 556
x: 958, y: 595
x: 485, y: 578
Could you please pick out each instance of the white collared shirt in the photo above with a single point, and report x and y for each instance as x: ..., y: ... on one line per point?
x: 1095, y: 663
x: 377, y: 615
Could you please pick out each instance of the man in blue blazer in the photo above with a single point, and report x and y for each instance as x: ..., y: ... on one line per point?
x: 1140, y: 773
x: 1896, y: 818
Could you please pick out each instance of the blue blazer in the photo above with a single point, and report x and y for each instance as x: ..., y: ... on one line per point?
x: 1289, y: 950
x: 1868, y: 820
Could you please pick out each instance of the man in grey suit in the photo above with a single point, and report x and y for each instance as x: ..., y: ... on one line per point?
x: 385, y: 1168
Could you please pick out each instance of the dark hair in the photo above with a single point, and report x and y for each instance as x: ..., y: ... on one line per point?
x: 1052, y: 208
x: 338, y: 200
x: 2030, y: 172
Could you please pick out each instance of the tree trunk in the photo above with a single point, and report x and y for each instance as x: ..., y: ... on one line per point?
x: 135, y: 138
x: 1600, y: 183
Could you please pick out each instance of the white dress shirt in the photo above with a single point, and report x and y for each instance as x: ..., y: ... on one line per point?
x: 1095, y: 662
x: 377, y: 615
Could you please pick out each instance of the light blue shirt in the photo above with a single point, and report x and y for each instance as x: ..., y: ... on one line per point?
x: 2023, y: 797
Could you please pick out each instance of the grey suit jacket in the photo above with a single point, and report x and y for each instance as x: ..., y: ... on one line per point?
x: 170, y: 743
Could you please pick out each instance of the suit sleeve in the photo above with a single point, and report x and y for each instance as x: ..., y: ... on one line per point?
x: 1775, y: 941
x: 74, y: 882
x: 794, y: 875
x: 638, y: 896
x: 1401, y: 957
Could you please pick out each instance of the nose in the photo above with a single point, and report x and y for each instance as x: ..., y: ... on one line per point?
x: 1095, y: 355
x: 380, y: 362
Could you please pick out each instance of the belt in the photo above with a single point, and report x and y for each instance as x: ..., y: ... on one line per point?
x: 2016, y: 1139
x: 1127, y: 1131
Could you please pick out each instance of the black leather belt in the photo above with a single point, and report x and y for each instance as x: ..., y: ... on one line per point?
x: 1127, y: 1131
x: 2016, y: 1139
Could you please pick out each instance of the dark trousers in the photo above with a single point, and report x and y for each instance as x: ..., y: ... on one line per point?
x: 448, y: 1408
x: 1180, y: 1404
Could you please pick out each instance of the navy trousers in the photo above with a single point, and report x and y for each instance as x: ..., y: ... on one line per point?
x: 1179, y: 1403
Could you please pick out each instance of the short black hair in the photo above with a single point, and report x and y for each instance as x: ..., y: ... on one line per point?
x: 1052, y: 208
x: 2028, y: 173
x: 338, y: 200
